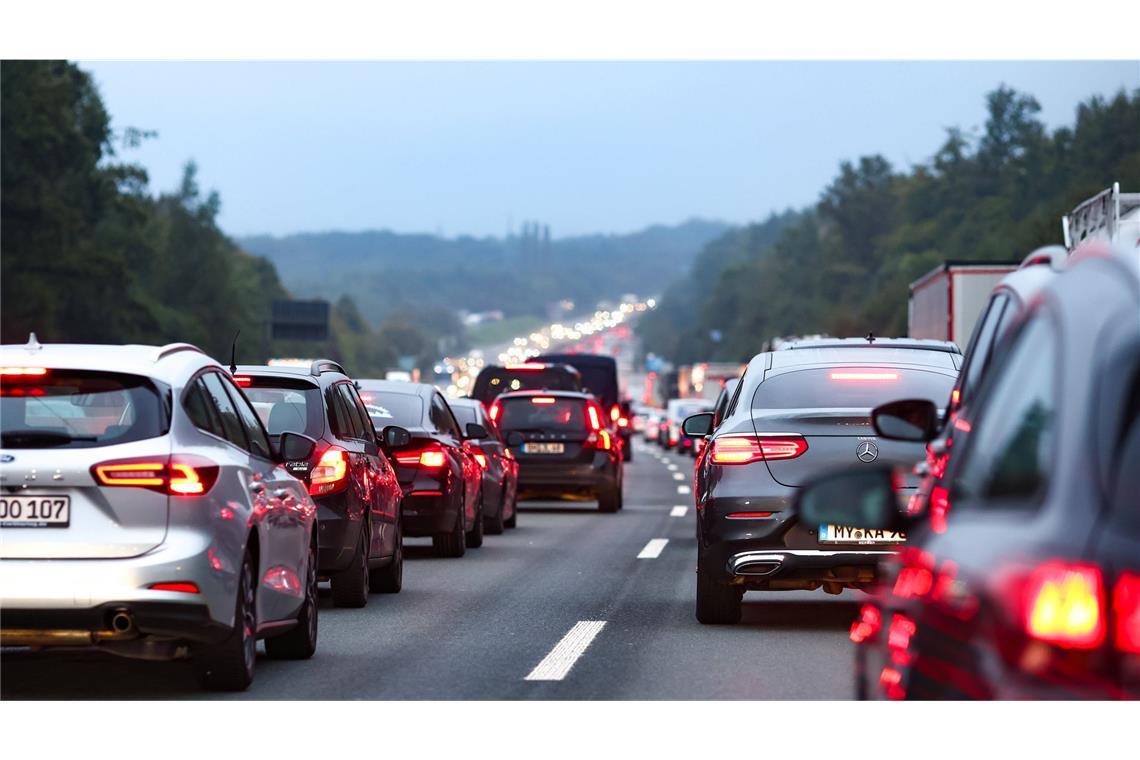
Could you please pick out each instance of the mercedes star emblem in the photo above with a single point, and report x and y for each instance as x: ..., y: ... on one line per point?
x: 867, y: 452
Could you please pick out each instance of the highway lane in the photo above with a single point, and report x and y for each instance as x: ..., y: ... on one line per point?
x: 565, y: 594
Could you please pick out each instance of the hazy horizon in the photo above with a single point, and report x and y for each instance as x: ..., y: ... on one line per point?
x: 475, y: 149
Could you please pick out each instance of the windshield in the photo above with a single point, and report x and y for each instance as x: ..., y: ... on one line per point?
x: 73, y: 409
x: 386, y: 408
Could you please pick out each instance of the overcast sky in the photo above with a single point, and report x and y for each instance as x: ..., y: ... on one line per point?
x: 465, y: 148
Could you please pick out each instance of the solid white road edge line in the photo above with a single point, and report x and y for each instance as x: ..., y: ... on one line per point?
x: 653, y: 549
x: 557, y: 663
x: 678, y: 511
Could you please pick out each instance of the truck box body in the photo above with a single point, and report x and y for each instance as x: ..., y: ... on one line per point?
x: 945, y: 303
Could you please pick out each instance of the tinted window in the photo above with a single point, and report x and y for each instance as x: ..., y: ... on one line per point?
x: 403, y: 409
x: 563, y: 415
x: 232, y: 428
x: 441, y: 417
x: 200, y: 410
x: 339, y: 421
x: 358, y: 418
x: 465, y: 415
x: 857, y: 387
x: 978, y: 354
x: 495, y: 380
x: 1008, y: 454
x: 287, y: 406
x: 254, y: 433
x: 73, y: 409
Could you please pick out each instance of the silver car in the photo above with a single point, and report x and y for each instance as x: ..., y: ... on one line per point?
x: 143, y: 511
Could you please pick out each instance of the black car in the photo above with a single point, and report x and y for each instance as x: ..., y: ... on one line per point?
x: 1029, y: 587
x: 440, y: 477
x: 797, y: 412
x: 500, y: 470
x: 600, y: 378
x: 494, y: 379
x: 563, y: 446
x: 349, y: 478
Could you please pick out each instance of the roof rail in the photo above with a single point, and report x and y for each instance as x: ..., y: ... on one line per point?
x: 173, y: 348
x: 325, y: 365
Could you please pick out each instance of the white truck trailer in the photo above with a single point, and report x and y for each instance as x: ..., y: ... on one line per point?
x: 945, y: 303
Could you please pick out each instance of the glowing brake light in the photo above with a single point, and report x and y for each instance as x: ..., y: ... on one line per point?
x: 430, y: 458
x: 1063, y: 605
x: 23, y: 371
x: 543, y: 400
x: 873, y: 376
x: 868, y: 625
x: 493, y: 412
x: 1126, y: 613
x: 180, y: 475
x: 330, y: 474
x: 527, y: 367
x: 751, y: 448
x: 955, y: 395
x: 481, y: 458
x: 595, y: 421
x: 615, y: 413
x: 243, y: 381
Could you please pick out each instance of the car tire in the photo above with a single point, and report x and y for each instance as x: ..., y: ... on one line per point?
x: 628, y: 451
x: 300, y: 642
x: 717, y: 603
x: 494, y: 526
x: 451, y: 544
x: 350, y: 586
x: 609, y: 500
x: 474, y: 537
x: 513, y: 520
x: 228, y: 665
x: 390, y: 578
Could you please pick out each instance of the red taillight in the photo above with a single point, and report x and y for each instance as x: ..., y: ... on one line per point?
x: 1063, y: 604
x: 179, y: 475
x: 939, y: 508
x: 899, y: 635
x: 542, y: 400
x: 330, y: 474
x: 623, y: 422
x: 493, y: 412
x: 243, y: 381
x: 751, y: 448
x: 481, y: 458
x: 593, y: 417
x: 23, y: 371
x: 868, y: 625
x: 431, y: 458
x: 615, y: 413
x: 184, y: 587
x: 863, y: 375
x: 1126, y: 613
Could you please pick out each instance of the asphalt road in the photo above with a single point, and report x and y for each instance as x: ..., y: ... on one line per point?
x: 477, y: 627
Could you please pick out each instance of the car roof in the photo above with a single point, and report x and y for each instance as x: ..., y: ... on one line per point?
x: 916, y: 344
x: 396, y: 386
x: 528, y: 393
x: 170, y: 363
x: 313, y: 371
x: 597, y: 360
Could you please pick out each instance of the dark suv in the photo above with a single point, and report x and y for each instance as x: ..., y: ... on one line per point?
x: 527, y: 376
x: 351, y: 481
x: 562, y: 445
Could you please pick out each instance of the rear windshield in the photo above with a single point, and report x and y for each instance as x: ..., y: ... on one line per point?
x: 287, y: 406
x: 76, y: 409
x: 385, y: 408
x: 495, y: 380
x: 545, y: 413
x: 850, y: 388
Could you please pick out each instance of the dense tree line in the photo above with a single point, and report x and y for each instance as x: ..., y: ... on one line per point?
x: 842, y: 267
x: 88, y: 254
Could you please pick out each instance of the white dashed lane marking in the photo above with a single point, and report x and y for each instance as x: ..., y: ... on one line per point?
x: 653, y: 549
x: 678, y: 511
x: 678, y: 476
x: 684, y: 489
x: 566, y: 652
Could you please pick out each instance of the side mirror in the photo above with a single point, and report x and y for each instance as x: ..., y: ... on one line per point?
x: 698, y: 425
x: 515, y: 438
x: 860, y: 498
x: 912, y: 419
x: 295, y: 447
x: 395, y: 437
x: 475, y: 430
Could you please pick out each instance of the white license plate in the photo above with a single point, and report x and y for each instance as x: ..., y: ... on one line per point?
x: 845, y: 534
x: 25, y: 511
x: 544, y: 448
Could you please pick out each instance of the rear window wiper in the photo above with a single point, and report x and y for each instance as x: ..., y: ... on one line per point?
x: 42, y: 437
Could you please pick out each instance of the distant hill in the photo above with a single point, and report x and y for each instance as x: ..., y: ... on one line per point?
x: 383, y: 270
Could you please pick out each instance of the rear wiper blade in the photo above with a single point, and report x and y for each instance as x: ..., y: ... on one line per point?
x: 43, y: 437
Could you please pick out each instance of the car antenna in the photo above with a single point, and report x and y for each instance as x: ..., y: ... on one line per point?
x: 870, y: 337
x: 233, y: 354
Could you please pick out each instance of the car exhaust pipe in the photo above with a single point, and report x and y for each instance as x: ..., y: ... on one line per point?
x: 764, y: 567
x: 122, y: 622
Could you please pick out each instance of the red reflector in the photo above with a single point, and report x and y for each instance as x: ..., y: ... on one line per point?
x: 623, y: 422
x: 1063, y: 605
x: 542, y: 400
x: 185, y: 587
x: 243, y: 381
x: 1126, y: 612
x: 873, y: 376
x: 23, y: 371
x: 748, y: 515
x: 891, y: 682
x: 747, y: 448
x: 955, y: 395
